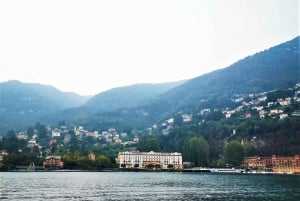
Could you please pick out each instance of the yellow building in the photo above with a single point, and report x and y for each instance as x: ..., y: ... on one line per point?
x: 149, y: 159
x: 92, y: 156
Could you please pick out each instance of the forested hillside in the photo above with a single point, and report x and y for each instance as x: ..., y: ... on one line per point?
x: 275, y: 68
x: 23, y: 103
x: 129, y: 96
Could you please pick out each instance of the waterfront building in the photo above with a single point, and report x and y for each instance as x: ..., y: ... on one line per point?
x: 138, y: 159
x: 284, y: 164
x: 53, y: 162
x: 3, y: 153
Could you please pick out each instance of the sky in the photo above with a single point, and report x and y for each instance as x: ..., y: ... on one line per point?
x: 89, y: 47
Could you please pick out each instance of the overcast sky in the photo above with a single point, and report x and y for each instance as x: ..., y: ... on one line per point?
x: 92, y: 46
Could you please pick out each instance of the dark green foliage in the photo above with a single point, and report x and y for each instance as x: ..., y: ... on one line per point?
x: 279, y: 94
x: 103, y: 161
x: 233, y: 154
x: 22, y: 104
x: 23, y: 159
x: 174, y: 140
x: 30, y: 132
x: 12, y: 144
x: 196, y: 150
x: 11, y: 133
x: 152, y: 144
x: 214, y: 116
x: 42, y: 132
x: 77, y: 160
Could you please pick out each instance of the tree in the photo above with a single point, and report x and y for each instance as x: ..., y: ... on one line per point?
x: 234, y: 153
x: 61, y: 123
x: 103, y: 161
x: 74, y: 144
x: 152, y: 144
x: 196, y: 150
x: 42, y: 131
x: 68, y: 159
x: 249, y: 149
x: 11, y: 133
x: 12, y: 144
x: 84, y: 162
x: 30, y: 132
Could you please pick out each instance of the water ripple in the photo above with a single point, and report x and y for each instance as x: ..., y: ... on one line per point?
x: 146, y: 186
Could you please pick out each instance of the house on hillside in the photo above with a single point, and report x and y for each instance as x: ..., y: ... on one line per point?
x: 22, y: 136
x: 282, y: 116
x: 296, y: 113
x: 170, y: 121
x: 67, y: 138
x: 262, y: 114
x: 248, y: 115
x: 284, y: 102
x: 186, y: 117
x: 56, y: 133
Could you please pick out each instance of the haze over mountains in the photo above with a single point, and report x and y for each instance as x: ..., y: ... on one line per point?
x: 131, y: 96
x: 140, y: 105
x: 21, y: 103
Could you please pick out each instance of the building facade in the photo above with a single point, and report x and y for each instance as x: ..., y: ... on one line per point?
x: 53, y: 162
x: 3, y: 153
x: 285, y: 164
x: 149, y: 159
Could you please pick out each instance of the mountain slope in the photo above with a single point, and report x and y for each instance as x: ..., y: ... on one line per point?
x: 139, y: 106
x: 25, y: 102
x: 111, y: 101
x: 126, y: 97
x: 276, y: 67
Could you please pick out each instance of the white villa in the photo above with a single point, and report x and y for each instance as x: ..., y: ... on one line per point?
x: 143, y: 159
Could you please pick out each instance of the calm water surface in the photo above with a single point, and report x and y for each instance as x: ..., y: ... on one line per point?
x: 146, y: 186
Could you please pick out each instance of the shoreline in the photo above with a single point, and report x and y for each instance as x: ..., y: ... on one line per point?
x: 191, y: 170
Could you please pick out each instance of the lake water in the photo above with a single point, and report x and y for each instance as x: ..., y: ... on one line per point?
x: 146, y: 186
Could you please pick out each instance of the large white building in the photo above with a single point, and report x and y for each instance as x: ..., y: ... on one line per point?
x: 145, y: 159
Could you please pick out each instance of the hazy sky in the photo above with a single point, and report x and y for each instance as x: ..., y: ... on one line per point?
x: 91, y: 46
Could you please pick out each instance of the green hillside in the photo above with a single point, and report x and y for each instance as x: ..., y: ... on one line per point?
x: 129, y: 96
x: 275, y: 68
x: 23, y: 103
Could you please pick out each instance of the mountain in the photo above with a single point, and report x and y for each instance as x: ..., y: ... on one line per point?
x: 277, y: 67
x: 274, y: 68
x: 21, y: 103
x: 141, y: 105
x: 111, y: 101
x: 129, y: 96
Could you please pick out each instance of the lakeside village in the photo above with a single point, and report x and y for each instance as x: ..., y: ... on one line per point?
x: 129, y: 158
x: 159, y: 161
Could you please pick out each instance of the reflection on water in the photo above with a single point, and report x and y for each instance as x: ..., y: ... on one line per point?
x: 146, y: 186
